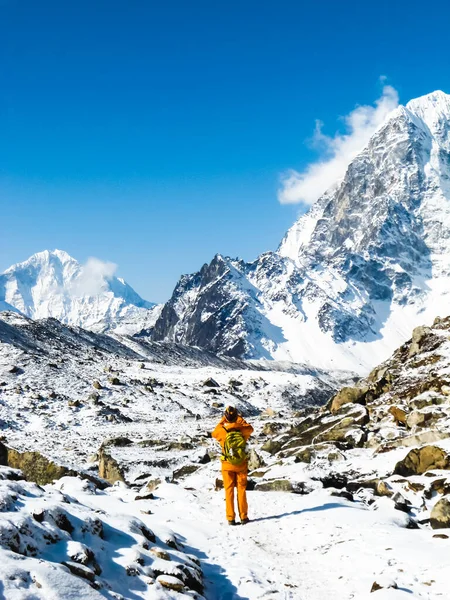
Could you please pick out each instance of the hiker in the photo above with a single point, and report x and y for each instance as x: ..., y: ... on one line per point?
x: 232, y: 432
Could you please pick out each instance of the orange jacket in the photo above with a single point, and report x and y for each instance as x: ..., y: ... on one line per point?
x: 220, y: 433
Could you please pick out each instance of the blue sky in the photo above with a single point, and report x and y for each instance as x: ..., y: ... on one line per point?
x: 154, y: 134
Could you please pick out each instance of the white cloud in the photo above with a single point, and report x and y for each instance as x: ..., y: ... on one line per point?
x: 93, y: 277
x: 337, y: 152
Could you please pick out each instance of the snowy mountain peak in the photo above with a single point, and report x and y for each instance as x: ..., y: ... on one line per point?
x: 433, y: 114
x: 367, y: 263
x: 43, y: 258
x: 54, y: 284
x: 437, y: 102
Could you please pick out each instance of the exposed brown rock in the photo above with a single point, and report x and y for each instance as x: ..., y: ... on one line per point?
x: 440, y: 515
x: 420, y: 460
x: 274, y: 485
x: 399, y: 415
x: 348, y: 395
x: 419, y: 334
x: 171, y: 583
x: 108, y: 467
x: 35, y: 467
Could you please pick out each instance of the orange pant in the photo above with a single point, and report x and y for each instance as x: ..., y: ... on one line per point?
x: 232, y: 479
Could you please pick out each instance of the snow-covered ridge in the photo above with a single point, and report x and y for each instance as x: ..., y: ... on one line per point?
x: 353, y: 276
x: 53, y: 284
x: 65, y: 390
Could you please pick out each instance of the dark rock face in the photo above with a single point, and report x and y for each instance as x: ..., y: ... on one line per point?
x: 217, y: 306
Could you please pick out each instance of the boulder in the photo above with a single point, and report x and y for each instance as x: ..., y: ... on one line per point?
x: 378, y: 486
x: 254, y: 460
x: 419, y: 335
x: 235, y: 383
x: 342, y: 494
x: 428, y: 399
x: 205, y: 459
x: 274, y: 485
x: 383, y: 489
x: 148, y: 496
x: 272, y: 446
x: 153, y: 484
x: 353, y: 395
x: 114, y: 380
x: 421, y: 460
x: 259, y: 473
x: 425, y: 437
x: 184, y: 471
x: 211, y: 383
x: 170, y: 582
x: 399, y: 415
x: 342, y: 431
x: 74, y: 404
x: 34, y: 466
x: 268, y: 412
x: 272, y: 428
x: 97, y: 385
x: 440, y: 515
x: 94, y: 397
x: 108, y: 467
x: 180, y: 446
x: 383, y: 583
x: 305, y: 455
x: 117, y: 441
x: 417, y: 419
x: 80, y: 570
x: 159, y: 553
x: 335, y: 456
x: 441, y: 485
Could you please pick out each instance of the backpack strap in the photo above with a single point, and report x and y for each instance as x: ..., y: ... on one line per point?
x: 223, y: 457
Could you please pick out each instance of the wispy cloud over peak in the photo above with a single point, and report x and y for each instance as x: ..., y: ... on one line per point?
x: 93, y: 277
x: 336, y: 152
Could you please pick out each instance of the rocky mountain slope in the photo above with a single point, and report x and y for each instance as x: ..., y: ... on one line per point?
x: 53, y: 284
x: 388, y: 436
x: 65, y: 392
x: 353, y: 276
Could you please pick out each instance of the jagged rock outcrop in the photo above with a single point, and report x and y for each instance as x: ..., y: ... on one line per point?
x: 403, y: 403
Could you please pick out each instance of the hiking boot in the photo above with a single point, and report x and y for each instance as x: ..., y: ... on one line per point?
x: 245, y: 521
x: 232, y: 523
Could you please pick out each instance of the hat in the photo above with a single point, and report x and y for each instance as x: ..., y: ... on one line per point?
x: 231, y: 414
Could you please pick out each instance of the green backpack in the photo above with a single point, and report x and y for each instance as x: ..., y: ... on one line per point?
x: 234, y: 448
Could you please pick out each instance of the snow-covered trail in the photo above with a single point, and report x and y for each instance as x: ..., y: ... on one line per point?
x: 304, y: 547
